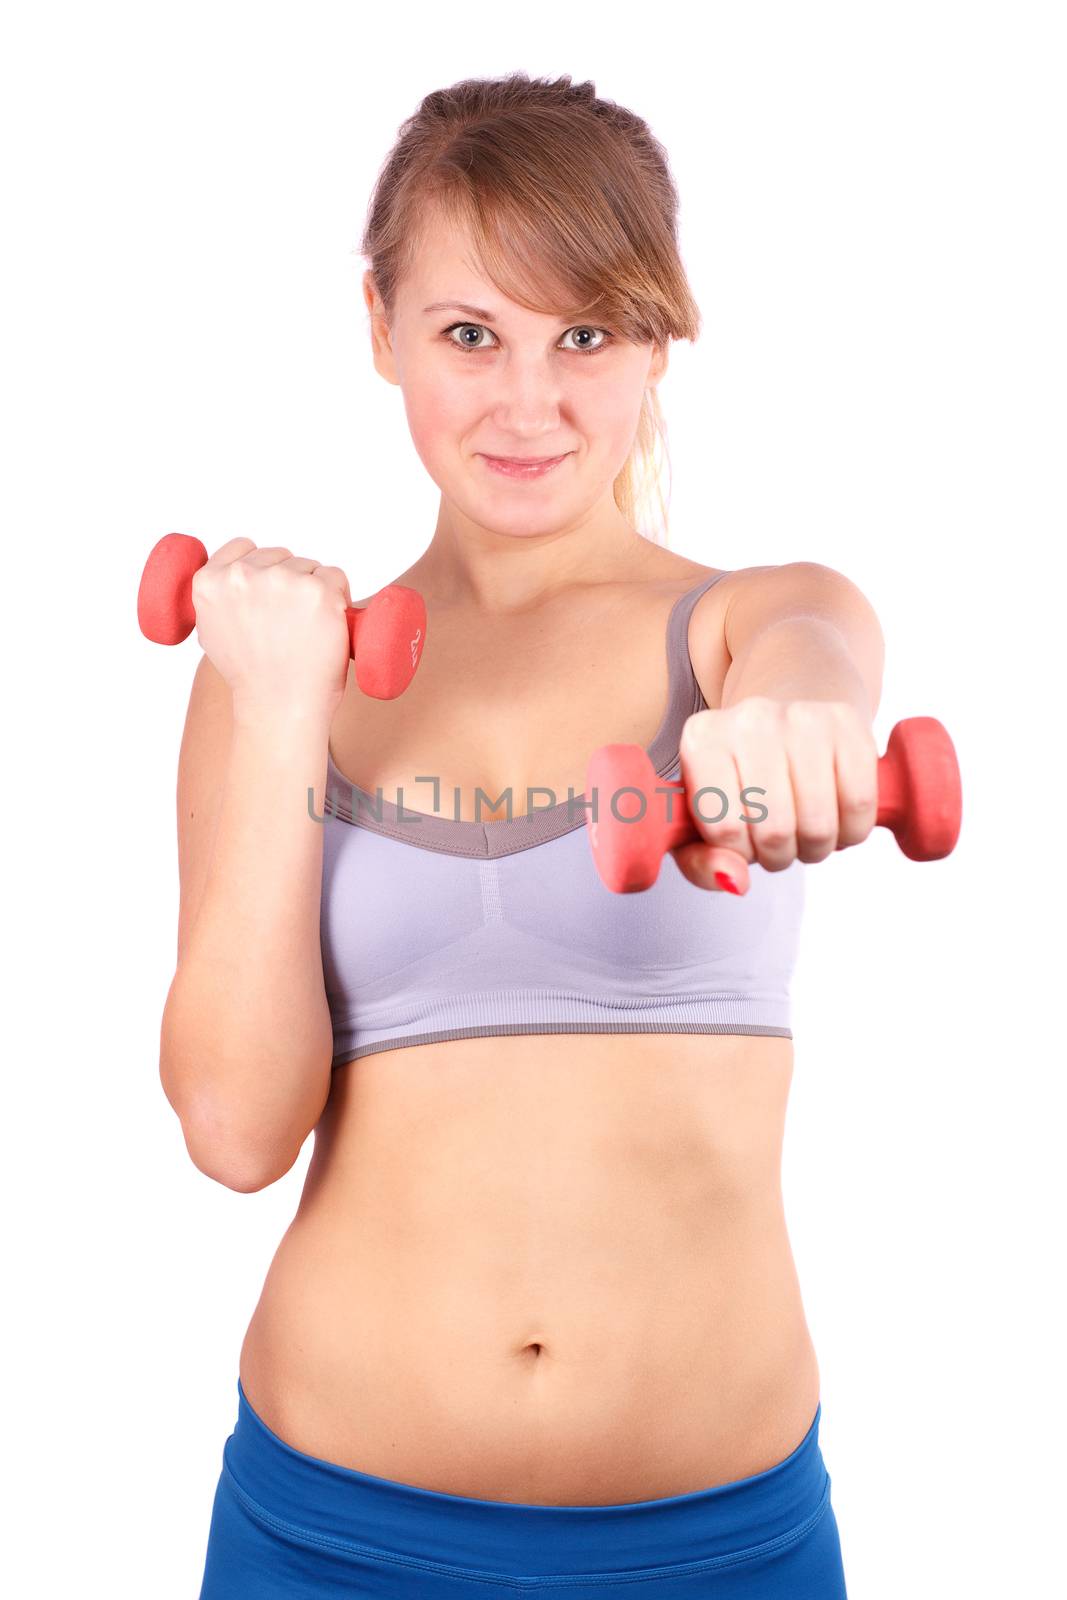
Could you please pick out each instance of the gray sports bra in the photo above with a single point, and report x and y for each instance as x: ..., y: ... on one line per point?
x: 442, y: 929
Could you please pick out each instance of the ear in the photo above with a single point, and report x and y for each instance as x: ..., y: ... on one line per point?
x: 658, y: 365
x: 381, y: 347
x: 369, y: 291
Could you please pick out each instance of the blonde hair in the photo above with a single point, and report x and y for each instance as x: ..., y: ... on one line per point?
x: 571, y: 205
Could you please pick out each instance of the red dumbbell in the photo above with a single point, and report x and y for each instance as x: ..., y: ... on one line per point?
x: 919, y: 798
x: 385, y: 637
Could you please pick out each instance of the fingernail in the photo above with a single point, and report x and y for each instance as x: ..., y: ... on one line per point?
x: 724, y: 880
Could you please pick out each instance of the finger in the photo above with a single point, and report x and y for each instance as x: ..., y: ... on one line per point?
x: 301, y: 564
x: 232, y: 550
x: 709, y: 867
x: 269, y: 556
x: 336, y: 579
x: 856, y: 764
x: 809, y: 742
x: 765, y: 794
x: 709, y: 774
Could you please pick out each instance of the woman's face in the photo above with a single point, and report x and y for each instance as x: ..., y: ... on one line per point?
x: 508, y: 382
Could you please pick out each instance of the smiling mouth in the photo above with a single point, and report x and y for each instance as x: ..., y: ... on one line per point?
x: 523, y: 468
x: 526, y: 461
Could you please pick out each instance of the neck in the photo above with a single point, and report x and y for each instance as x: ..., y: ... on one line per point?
x: 468, y: 565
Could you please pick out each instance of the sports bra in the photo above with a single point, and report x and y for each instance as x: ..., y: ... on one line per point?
x: 440, y: 928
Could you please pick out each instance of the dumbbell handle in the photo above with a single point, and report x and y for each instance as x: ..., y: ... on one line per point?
x: 919, y: 800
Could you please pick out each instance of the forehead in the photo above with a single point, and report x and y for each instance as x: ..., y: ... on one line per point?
x: 445, y: 268
x: 444, y: 262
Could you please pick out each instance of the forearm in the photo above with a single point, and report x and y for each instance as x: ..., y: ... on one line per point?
x: 800, y: 658
x: 246, y: 1040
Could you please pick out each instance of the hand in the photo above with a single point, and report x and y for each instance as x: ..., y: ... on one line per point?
x: 811, y: 771
x: 274, y: 626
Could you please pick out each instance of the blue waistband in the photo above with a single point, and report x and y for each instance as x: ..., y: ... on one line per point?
x: 358, y: 1509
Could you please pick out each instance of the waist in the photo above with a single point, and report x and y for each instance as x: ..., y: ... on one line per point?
x: 714, y: 1527
x: 627, y: 1362
x: 575, y: 1261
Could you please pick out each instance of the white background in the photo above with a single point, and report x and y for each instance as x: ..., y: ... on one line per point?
x: 872, y: 220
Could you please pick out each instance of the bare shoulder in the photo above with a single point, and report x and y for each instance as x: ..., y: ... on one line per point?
x: 715, y: 602
x: 707, y: 628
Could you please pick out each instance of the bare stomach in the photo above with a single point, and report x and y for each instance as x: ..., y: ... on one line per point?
x: 551, y: 1269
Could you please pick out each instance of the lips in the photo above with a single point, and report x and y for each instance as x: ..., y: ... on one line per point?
x: 525, y: 461
x: 524, y: 468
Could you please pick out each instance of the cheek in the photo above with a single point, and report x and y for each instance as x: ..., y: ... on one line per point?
x: 607, y: 420
x: 620, y: 411
x: 607, y: 406
x: 438, y: 413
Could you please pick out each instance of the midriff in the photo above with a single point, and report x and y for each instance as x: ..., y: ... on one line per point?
x: 549, y: 1269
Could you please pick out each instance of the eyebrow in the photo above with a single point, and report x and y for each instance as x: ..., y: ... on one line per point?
x: 456, y: 305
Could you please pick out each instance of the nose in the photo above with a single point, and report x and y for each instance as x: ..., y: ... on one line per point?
x: 528, y: 399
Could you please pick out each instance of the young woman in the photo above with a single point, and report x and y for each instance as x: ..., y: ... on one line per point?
x: 536, y: 1322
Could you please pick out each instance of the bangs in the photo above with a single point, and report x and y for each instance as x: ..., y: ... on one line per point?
x: 548, y: 250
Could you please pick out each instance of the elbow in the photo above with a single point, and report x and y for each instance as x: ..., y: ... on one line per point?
x: 241, y: 1166
x: 222, y: 1141
x: 226, y: 1153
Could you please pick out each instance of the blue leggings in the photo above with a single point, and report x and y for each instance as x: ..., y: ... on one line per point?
x: 286, y: 1524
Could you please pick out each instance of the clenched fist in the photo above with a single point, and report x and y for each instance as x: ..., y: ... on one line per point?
x: 804, y: 773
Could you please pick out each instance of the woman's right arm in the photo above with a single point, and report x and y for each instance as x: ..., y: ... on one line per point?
x: 246, y: 1040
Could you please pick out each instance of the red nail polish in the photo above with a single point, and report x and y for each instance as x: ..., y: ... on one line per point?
x: 724, y: 880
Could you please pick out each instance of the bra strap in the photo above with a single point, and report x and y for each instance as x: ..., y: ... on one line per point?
x: 685, y: 697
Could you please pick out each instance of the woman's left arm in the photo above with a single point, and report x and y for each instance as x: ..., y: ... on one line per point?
x: 794, y: 727
x: 803, y: 632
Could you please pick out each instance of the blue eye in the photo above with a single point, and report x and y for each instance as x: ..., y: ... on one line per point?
x: 474, y: 349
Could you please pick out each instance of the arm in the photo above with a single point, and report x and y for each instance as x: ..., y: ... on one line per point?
x: 802, y: 632
x: 246, y: 1041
